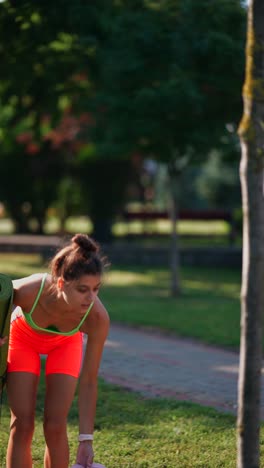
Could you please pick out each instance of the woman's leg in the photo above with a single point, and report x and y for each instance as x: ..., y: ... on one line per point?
x: 59, y: 395
x: 62, y: 370
x: 21, y: 391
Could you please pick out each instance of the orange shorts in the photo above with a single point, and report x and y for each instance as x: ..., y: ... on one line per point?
x: 64, y: 353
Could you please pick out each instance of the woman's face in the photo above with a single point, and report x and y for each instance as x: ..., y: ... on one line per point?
x: 80, y: 293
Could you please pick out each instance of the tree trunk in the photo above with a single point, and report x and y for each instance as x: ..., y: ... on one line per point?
x: 252, y: 305
x: 40, y: 224
x: 102, y: 229
x: 103, y: 183
x: 174, y: 251
x: 19, y: 217
x: 252, y: 293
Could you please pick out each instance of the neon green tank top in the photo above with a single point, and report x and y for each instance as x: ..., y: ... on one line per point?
x: 52, y: 328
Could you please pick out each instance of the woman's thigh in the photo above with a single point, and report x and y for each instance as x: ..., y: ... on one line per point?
x: 60, y: 390
x: 62, y: 372
x: 22, y: 394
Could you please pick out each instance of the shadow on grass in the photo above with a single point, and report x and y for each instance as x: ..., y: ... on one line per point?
x: 132, y: 431
x: 117, y: 407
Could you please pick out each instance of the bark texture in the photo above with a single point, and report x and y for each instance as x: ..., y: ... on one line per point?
x: 252, y: 292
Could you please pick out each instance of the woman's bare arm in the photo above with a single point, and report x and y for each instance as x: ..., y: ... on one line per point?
x: 97, y: 328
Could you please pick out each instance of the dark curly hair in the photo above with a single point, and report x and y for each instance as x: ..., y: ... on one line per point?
x: 81, y: 256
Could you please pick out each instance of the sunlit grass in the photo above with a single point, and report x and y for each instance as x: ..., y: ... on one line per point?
x: 133, y: 432
x: 225, y: 289
x: 17, y: 265
x: 129, y: 278
x: 6, y: 226
x: 208, y: 308
x: 72, y: 225
x: 161, y: 278
x: 192, y: 227
x: 120, y: 228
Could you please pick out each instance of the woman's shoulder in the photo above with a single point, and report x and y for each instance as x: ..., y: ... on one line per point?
x: 98, y: 319
x: 26, y: 289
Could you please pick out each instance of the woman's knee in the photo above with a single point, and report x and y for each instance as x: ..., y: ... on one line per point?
x: 54, y: 429
x: 22, y: 427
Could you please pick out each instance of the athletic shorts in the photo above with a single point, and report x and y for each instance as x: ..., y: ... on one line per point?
x: 26, y: 346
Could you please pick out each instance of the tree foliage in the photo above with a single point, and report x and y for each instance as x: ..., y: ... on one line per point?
x: 162, y: 78
x: 39, y: 55
x: 170, y: 75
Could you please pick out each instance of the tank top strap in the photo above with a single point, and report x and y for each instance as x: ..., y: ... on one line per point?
x: 39, y: 293
x: 85, y: 316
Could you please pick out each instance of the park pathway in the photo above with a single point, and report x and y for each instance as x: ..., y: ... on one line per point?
x: 159, y: 366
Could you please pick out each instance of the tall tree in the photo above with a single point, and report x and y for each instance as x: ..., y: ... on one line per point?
x: 252, y: 294
x: 163, y: 81
x: 158, y: 77
x: 41, y: 58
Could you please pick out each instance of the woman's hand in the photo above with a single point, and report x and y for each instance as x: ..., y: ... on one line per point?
x: 3, y: 340
x: 85, y: 454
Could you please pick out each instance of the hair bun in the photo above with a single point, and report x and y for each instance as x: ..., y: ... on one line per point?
x: 85, y: 243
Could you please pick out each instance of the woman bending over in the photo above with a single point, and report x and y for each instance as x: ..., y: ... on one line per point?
x: 57, y: 308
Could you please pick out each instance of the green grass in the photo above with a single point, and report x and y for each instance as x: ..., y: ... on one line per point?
x: 132, y: 431
x: 208, y: 309
x: 138, y: 433
x: 120, y: 228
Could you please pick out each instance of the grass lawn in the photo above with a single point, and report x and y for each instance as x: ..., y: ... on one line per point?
x: 132, y: 431
x: 208, y: 308
x: 139, y: 433
x: 120, y: 228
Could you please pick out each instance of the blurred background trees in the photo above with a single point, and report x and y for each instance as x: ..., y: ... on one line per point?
x: 91, y: 91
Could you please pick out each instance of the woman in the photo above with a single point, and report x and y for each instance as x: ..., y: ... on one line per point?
x: 56, y: 309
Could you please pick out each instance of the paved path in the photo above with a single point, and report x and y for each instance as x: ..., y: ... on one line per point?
x: 159, y: 366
